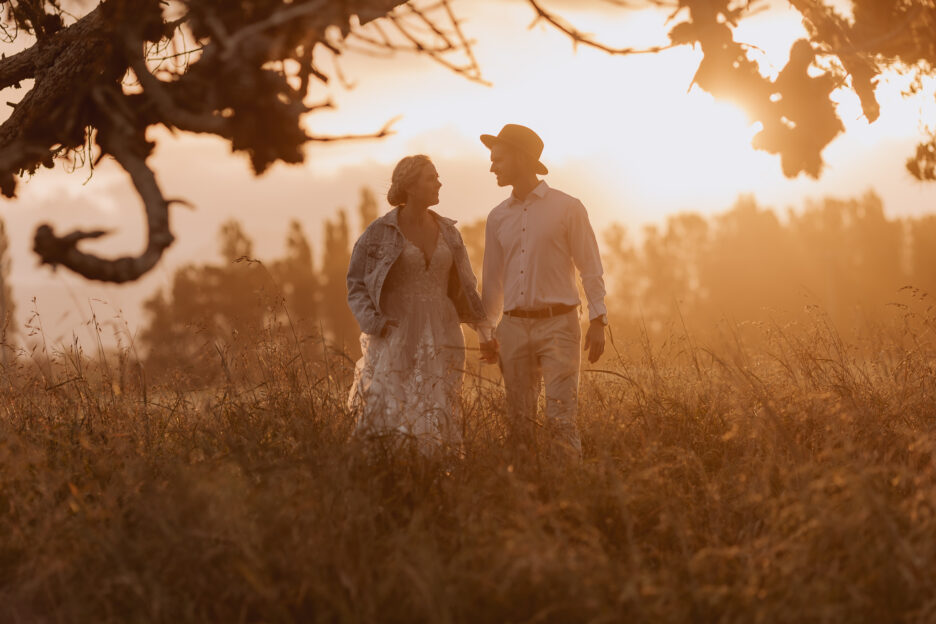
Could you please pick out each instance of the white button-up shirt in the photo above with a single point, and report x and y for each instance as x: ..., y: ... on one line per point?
x: 531, y: 250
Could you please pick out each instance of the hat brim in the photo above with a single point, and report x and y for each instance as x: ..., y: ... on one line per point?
x: 490, y: 141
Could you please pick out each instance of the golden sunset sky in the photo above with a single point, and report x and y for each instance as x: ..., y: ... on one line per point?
x: 625, y: 134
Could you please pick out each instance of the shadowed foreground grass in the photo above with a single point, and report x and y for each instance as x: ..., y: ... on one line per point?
x: 792, y: 481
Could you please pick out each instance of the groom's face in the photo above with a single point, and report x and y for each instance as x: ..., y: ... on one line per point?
x: 505, y: 164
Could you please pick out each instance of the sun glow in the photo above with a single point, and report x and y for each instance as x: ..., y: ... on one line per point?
x: 669, y: 144
x: 681, y: 142
x: 629, y: 134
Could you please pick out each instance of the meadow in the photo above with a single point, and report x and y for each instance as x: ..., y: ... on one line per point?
x: 765, y: 472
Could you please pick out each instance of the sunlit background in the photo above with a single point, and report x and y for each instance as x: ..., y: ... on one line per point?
x: 628, y: 135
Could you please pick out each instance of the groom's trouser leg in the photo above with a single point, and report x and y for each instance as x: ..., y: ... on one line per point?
x: 522, y: 376
x: 559, y: 352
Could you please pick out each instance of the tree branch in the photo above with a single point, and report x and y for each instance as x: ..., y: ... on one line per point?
x: 444, y: 42
x: 18, y: 67
x: 278, y: 18
x: 231, y: 90
x: 154, y: 90
x: 387, y: 130
x: 130, y: 151
x: 578, y: 37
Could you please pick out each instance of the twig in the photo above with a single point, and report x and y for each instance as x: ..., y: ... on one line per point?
x: 383, y: 132
x: 578, y: 37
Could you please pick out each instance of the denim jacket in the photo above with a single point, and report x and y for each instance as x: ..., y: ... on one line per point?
x: 379, y: 247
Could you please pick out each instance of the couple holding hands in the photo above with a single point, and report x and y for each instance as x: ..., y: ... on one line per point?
x: 411, y: 285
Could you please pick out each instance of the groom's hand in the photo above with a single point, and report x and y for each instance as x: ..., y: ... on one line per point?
x: 594, y: 340
x: 489, y: 351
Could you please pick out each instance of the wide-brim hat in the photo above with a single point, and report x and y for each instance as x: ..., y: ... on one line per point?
x: 520, y: 138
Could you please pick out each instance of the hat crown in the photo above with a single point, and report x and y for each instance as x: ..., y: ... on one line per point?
x: 522, y: 137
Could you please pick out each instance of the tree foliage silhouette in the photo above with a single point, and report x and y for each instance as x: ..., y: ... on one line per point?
x: 237, y: 70
x: 797, y: 114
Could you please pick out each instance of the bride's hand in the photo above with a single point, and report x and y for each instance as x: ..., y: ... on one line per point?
x: 386, y: 328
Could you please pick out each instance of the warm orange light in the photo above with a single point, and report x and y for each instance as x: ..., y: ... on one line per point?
x: 654, y: 143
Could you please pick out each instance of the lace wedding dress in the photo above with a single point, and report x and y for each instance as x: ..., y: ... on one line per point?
x: 409, y: 380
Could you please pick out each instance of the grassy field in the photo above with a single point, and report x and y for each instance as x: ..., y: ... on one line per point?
x: 770, y: 474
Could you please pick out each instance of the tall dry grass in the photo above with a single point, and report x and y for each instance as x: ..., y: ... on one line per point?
x: 769, y: 474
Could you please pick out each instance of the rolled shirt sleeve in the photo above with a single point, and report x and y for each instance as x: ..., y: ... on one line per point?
x: 587, y: 259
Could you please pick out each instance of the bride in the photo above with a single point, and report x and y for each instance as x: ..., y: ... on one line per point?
x: 410, y: 285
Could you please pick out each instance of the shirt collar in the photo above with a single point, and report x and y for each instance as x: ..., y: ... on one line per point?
x: 539, y: 191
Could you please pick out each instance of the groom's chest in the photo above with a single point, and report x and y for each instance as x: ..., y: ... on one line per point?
x: 532, y: 227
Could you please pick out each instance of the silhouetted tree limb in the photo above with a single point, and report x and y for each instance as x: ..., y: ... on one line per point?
x: 442, y: 42
x: 247, y: 70
x: 579, y: 37
x: 127, y: 144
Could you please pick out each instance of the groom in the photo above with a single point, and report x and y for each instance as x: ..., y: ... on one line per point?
x: 533, y: 242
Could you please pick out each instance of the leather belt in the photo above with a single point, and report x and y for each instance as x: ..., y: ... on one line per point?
x: 553, y: 310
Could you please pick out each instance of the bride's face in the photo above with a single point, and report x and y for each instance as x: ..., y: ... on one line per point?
x: 425, y: 190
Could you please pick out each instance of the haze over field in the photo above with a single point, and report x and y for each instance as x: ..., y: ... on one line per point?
x: 626, y: 134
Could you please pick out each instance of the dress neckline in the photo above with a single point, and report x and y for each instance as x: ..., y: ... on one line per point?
x: 428, y: 261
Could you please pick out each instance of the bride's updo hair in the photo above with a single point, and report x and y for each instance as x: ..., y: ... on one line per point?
x: 405, y: 174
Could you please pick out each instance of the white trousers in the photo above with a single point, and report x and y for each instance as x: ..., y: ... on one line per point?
x: 534, y: 351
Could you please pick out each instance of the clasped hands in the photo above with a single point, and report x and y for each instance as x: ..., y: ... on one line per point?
x: 594, y: 344
x: 490, y: 351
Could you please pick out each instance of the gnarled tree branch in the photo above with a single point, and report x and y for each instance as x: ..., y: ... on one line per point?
x: 130, y: 149
x: 237, y: 87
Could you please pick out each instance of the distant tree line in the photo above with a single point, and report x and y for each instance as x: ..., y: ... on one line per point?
x: 845, y: 257
x: 210, y: 307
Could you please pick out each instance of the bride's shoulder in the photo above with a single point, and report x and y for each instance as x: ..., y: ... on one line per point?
x: 378, y: 228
